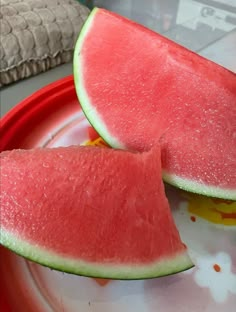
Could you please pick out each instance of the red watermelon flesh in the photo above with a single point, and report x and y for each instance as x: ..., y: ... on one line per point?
x: 90, y: 211
x: 92, y: 134
x: 137, y: 87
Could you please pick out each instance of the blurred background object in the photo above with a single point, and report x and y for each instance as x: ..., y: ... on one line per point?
x: 207, y: 27
x: 200, y: 25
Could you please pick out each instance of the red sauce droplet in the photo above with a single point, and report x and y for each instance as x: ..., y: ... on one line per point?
x: 217, y: 268
x: 193, y: 219
x: 102, y: 282
x: 92, y: 133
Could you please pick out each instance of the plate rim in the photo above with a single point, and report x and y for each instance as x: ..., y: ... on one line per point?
x: 31, y: 103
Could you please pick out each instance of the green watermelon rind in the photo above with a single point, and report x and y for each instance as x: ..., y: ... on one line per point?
x: 89, y: 111
x: 97, y: 122
x: 32, y: 252
x: 198, y: 188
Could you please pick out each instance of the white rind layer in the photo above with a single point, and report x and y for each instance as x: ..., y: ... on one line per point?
x: 63, y: 263
x: 199, y: 188
x: 89, y: 110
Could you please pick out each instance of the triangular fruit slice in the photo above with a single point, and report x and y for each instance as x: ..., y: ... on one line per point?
x: 90, y: 211
x: 137, y: 87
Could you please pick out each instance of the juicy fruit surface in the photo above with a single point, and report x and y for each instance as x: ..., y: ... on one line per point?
x: 90, y: 210
x: 137, y: 87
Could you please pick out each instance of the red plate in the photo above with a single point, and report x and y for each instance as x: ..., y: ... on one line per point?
x: 41, y: 116
x: 53, y: 117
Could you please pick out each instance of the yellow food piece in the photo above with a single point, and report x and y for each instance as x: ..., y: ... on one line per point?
x: 97, y: 142
x: 218, y: 211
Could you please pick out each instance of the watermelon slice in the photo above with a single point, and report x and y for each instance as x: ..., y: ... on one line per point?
x: 90, y: 211
x: 137, y: 87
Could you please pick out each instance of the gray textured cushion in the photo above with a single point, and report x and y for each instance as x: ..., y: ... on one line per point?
x: 36, y: 35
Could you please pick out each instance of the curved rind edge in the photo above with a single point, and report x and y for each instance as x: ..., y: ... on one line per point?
x: 82, y: 95
x: 198, y: 188
x: 55, y: 261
